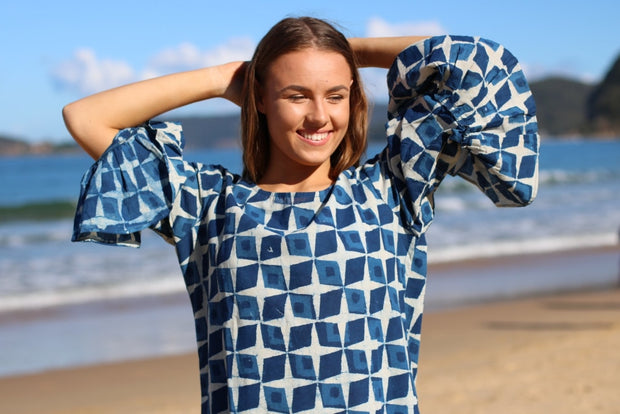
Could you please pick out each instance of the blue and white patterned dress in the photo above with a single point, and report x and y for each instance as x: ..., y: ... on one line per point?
x: 313, y: 301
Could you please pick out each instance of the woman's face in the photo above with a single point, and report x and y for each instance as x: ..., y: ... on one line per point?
x: 305, y: 99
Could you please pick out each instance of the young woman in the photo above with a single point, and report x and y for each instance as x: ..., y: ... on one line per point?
x: 307, y: 273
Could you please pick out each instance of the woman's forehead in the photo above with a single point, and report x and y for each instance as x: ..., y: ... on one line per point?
x: 308, y: 67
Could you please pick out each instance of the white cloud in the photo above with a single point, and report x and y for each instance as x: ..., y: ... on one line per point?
x: 377, y: 27
x: 187, y: 56
x: 84, y: 73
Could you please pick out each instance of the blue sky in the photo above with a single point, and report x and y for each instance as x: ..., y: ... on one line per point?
x: 56, y: 52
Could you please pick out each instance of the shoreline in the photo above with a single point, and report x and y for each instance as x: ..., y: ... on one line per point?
x: 133, y: 328
x: 495, y: 279
x: 461, y: 267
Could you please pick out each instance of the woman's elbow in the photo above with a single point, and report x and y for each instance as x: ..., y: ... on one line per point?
x: 93, y: 139
x: 72, y: 119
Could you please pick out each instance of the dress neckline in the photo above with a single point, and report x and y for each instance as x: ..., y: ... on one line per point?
x: 280, y: 212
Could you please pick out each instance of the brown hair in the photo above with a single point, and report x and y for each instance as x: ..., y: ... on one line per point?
x: 289, y: 35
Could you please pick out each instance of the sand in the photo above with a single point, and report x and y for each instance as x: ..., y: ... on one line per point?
x: 556, y: 353
x: 160, y: 385
x: 551, y: 354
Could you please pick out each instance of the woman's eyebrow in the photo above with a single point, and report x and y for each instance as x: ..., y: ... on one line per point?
x: 299, y: 88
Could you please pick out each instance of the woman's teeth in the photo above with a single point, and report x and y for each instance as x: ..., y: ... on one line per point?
x: 315, y: 137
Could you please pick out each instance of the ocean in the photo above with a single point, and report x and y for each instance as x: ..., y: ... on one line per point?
x: 87, y: 303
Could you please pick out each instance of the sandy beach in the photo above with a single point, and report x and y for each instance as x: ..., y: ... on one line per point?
x: 551, y: 353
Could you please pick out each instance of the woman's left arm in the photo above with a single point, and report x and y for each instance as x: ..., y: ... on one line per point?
x: 380, y: 52
x: 461, y: 105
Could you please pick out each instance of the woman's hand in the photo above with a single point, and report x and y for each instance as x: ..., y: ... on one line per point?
x: 234, y: 90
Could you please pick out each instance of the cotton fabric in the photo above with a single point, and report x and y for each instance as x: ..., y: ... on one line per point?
x: 314, y: 301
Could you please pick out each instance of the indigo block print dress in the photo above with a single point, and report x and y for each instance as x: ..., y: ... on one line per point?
x: 312, y: 302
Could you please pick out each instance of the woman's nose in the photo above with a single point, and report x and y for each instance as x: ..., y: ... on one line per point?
x: 317, y: 113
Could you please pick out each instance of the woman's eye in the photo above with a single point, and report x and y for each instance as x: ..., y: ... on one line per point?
x: 335, y: 98
x: 296, y: 98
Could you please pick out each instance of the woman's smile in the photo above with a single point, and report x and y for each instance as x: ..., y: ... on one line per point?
x: 315, y: 137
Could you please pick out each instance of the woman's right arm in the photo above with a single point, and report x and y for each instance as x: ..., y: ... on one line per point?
x: 95, y: 120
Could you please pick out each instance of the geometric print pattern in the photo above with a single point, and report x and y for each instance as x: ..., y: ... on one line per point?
x: 314, y: 301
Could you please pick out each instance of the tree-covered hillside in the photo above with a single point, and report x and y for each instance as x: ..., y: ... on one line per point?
x: 561, y: 105
x: 567, y: 107
x: 603, y: 109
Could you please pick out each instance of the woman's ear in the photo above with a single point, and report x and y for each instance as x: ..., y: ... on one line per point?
x: 260, y: 104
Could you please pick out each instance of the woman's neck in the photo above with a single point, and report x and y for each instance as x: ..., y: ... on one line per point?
x: 311, y: 181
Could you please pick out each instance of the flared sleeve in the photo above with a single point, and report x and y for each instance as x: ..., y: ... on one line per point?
x: 136, y: 185
x: 461, y: 105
